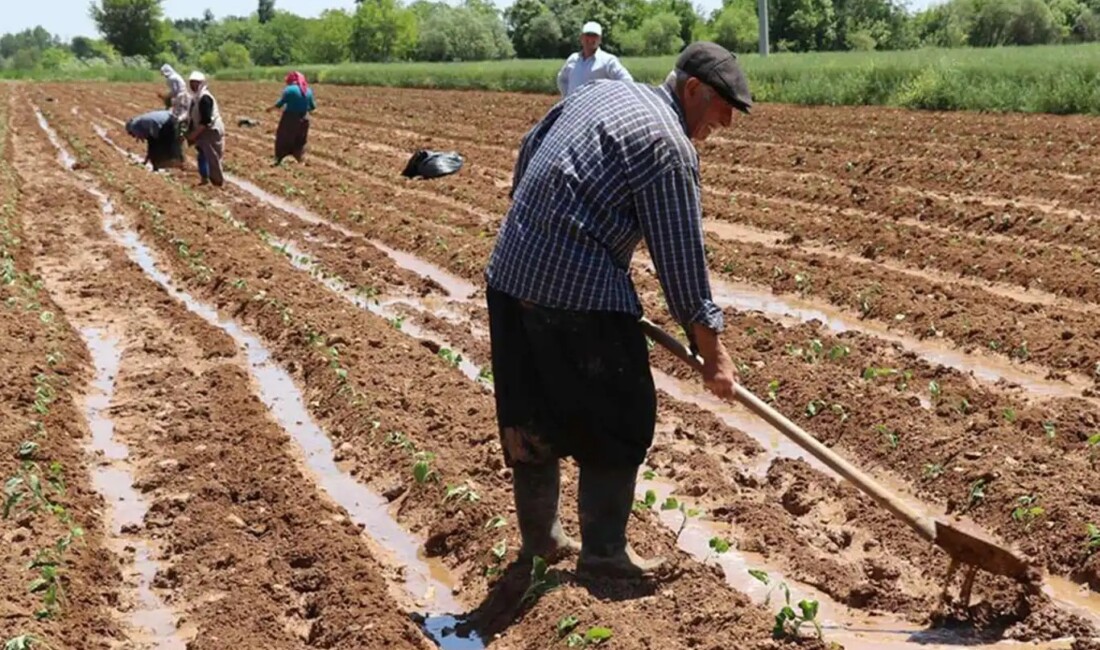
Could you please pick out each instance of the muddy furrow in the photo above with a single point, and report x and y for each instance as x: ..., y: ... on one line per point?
x: 226, y: 508
x: 414, y: 410
x: 52, y: 515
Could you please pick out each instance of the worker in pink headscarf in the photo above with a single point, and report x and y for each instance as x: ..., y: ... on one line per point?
x: 297, y: 104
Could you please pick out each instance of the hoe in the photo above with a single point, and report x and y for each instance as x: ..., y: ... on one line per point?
x: 965, y: 547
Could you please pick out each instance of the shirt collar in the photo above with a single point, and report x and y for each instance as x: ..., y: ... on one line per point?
x: 667, y: 91
x: 595, y: 55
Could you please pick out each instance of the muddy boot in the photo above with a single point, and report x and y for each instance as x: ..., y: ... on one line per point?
x: 605, y: 502
x: 536, y: 488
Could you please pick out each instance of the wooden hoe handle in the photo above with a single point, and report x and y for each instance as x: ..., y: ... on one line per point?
x: 924, y: 526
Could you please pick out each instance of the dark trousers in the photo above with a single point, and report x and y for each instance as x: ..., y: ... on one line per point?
x: 570, y: 384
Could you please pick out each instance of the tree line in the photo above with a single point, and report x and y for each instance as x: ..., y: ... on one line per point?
x: 135, y: 33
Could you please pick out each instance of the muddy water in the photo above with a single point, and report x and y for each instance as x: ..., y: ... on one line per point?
x: 153, y: 621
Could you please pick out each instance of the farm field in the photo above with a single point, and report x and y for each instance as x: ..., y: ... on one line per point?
x: 270, y: 410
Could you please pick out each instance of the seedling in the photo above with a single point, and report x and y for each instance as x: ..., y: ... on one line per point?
x: 1010, y: 415
x: 789, y: 624
x: 450, y: 356
x: 597, y: 635
x: 815, y: 407
x: 976, y: 494
x: 500, y: 549
x: 495, y: 522
x: 672, y: 504
x: 773, y: 391
x: 397, y: 322
x: 649, y: 475
x: 1027, y: 511
x: 462, y: 493
x: 718, y: 546
x: 485, y: 375
x: 934, y: 390
x: 647, y: 503
x: 838, y: 352
x: 1093, y: 445
x: 398, y: 439
x: 1092, y: 542
x: 542, y: 582
x: 933, y: 471
x: 1022, y: 353
x: 422, y: 467
x: 27, y: 450
x: 566, y: 625
x: 1050, y: 429
x: 25, y: 642
x: 890, y: 436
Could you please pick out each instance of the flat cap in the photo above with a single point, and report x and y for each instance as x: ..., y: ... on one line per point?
x: 717, y: 67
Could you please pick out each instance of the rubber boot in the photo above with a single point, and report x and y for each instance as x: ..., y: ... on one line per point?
x: 536, y: 488
x: 605, y: 502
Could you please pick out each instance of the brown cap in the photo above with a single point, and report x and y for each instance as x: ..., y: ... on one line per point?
x: 715, y: 66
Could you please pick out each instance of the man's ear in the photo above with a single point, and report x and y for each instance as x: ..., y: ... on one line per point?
x: 691, y: 86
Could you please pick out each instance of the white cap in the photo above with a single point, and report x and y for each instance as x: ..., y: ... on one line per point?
x: 197, y: 76
x: 592, y: 27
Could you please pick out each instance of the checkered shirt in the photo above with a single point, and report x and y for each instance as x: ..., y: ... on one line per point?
x: 608, y: 166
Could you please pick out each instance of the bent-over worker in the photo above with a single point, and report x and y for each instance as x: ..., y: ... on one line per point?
x: 159, y: 130
x: 297, y: 103
x: 611, y: 164
x: 207, y: 132
x: 590, y: 63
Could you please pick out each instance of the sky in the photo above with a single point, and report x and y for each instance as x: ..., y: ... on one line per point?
x: 69, y: 18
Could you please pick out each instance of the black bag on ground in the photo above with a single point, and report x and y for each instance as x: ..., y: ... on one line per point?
x: 432, y: 164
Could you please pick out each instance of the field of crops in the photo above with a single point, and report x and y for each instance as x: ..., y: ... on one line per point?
x: 262, y: 417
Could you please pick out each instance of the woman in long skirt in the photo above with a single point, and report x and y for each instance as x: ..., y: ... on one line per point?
x: 297, y: 104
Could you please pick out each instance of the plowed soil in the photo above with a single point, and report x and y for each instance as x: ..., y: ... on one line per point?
x: 920, y: 291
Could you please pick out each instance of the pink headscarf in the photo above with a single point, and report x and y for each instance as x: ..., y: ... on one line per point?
x: 298, y: 79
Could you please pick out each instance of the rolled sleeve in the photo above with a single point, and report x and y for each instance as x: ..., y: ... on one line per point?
x: 670, y: 215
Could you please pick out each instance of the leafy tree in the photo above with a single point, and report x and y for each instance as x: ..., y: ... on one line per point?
x: 234, y: 55
x: 266, y: 11
x: 736, y: 27
x: 382, y: 30
x: 326, y: 39
x: 657, y: 35
x: 468, y: 33
x: 279, y: 41
x: 133, y: 27
x: 89, y: 48
x: 544, y: 37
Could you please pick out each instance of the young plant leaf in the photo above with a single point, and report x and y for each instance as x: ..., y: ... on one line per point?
x: 566, y: 625
x: 597, y: 635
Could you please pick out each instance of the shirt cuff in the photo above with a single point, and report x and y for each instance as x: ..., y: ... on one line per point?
x: 710, y: 316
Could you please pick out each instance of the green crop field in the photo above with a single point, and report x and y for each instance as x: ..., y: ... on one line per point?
x: 1049, y: 79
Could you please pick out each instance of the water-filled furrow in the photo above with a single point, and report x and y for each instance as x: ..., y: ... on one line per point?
x: 151, y: 619
x: 429, y: 585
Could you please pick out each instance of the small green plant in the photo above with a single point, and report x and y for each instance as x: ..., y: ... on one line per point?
x: 838, y: 352
x: 500, y: 550
x: 976, y: 493
x: 398, y: 439
x: 450, y: 356
x: 788, y: 623
x: 773, y: 391
x: 934, y: 390
x: 485, y: 374
x: 1094, y: 445
x: 890, y: 436
x: 814, y: 407
x: 462, y: 493
x: 649, y: 475
x: 1092, y: 539
x: 648, y: 502
x: 542, y: 582
x: 495, y: 522
x: 25, y: 642
x: 567, y: 624
x: 933, y: 470
x: 1009, y: 415
x: 422, y: 467
x: 718, y: 546
x: 397, y: 322
x: 1027, y: 511
x: 671, y: 503
x: 1050, y: 429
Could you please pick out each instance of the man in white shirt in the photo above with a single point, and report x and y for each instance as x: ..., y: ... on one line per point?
x: 590, y: 63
